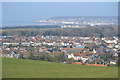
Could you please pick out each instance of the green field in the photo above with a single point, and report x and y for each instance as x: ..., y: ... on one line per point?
x: 19, y: 68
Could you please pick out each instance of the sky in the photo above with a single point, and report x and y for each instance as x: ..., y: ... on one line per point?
x: 60, y: 0
x: 34, y: 11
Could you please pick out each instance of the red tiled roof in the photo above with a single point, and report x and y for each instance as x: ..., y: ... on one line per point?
x: 74, y: 48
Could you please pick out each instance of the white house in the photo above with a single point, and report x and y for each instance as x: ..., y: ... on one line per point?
x: 84, y: 59
x: 113, y: 62
x: 70, y: 55
x: 111, y: 41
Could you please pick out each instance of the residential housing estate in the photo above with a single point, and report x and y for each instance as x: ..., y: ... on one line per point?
x: 97, y: 50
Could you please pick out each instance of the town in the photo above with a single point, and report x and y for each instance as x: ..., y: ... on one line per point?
x: 59, y: 40
x: 80, y: 21
x: 67, y: 49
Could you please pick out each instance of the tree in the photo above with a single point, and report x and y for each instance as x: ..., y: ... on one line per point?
x: 118, y: 62
x: 107, y: 57
x: 80, y: 60
x: 70, y: 60
x: 20, y: 56
x: 71, y: 46
x: 31, y: 56
x: 5, y: 33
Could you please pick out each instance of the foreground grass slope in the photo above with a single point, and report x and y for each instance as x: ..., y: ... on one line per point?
x: 19, y: 68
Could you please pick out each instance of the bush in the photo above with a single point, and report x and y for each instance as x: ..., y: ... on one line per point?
x: 70, y: 61
x: 20, y: 56
x: 118, y: 63
x: 51, y: 57
x: 31, y: 56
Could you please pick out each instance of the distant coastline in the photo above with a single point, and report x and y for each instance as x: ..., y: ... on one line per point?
x: 63, y: 20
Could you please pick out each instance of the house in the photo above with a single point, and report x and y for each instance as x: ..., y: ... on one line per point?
x: 84, y: 59
x: 12, y: 54
x: 115, y: 54
x: 94, y: 51
x: 25, y: 44
x: 111, y: 41
x: 80, y: 46
x: 6, y: 44
x: 88, y: 41
x: 74, y: 56
x: 113, y: 62
x: 77, y: 56
x: 37, y: 44
x: 70, y: 55
x: 93, y: 57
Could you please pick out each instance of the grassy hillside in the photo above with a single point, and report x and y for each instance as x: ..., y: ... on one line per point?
x: 19, y: 68
x: 0, y: 68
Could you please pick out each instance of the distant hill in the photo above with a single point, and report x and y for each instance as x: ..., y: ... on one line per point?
x: 87, y: 31
x: 31, y: 27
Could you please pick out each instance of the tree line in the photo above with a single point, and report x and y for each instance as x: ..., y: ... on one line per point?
x: 107, y: 31
x: 59, y: 58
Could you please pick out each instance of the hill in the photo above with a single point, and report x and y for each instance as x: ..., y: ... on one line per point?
x: 107, y: 31
x: 32, y: 27
x: 20, y: 68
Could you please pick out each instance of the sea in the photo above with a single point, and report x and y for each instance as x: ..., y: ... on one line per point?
x: 21, y: 23
x: 33, y: 23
